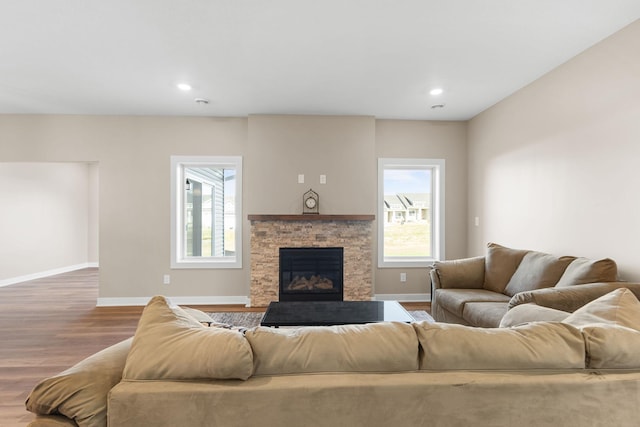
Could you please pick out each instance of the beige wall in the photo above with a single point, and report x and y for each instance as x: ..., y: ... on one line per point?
x: 132, y: 155
x: 429, y: 140
x: 554, y: 167
x: 346, y: 149
x: 282, y: 147
x: 134, y: 198
x: 44, y: 219
x: 94, y: 214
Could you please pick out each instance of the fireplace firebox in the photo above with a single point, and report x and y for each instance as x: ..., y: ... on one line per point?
x: 311, y: 274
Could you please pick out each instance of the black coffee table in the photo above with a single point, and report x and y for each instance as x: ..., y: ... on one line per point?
x: 325, y: 313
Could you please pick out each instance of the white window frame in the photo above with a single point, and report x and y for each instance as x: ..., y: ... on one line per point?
x: 437, y: 167
x: 178, y: 259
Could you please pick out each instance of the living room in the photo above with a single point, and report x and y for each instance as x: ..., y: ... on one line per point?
x: 550, y: 167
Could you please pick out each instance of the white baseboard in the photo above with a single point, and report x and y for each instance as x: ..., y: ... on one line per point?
x: 403, y: 297
x: 139, y: 301
x: 47, y: 273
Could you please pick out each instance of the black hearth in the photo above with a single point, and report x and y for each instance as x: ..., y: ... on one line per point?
x: 311, y: 274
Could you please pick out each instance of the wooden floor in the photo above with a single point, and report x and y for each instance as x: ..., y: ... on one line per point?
x: 47, y: 325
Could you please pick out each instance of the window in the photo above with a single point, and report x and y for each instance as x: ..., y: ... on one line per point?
x: 206, y: 196
x: 410, y: 212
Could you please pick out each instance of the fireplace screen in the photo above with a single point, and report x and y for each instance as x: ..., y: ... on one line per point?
x: 311, y: 274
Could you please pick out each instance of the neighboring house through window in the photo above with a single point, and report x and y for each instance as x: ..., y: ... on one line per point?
x: 410, y: 212
x: 205, y: 208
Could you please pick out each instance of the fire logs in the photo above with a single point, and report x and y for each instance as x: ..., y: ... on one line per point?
x: 309, y: 284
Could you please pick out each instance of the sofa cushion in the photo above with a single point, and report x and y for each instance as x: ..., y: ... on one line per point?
x: 527, y: 313
x: 500, y: 264
x: 171, y: 344
x: 485, y: 314
x: 376, y: 347
x: 542, y: 345
x: 583, y: 270
x: 612, y: 347
x: 80, y: 392
x: 618, y: 307
x: 537, y: 270
x: 454, y: 300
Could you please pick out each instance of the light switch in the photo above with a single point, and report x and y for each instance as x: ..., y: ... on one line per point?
x: 476, y: 221
x: 301, y: 179
x: 323, y: 179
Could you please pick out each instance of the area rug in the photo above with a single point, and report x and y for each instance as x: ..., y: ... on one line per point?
x: 251, y: 319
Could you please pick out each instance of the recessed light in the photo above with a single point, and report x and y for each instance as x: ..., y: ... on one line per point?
x: 184, y: 86
x: 436, y: 91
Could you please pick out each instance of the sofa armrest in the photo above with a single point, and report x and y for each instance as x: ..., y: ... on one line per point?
x: 570, y: 298
x: 466, y: 273
x: 80, y: 392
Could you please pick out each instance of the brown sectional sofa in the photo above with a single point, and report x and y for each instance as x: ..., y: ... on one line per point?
x: 477, y: 291
x: 177, y: 372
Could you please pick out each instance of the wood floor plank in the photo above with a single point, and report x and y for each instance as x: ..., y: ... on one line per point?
x: 49, y: 324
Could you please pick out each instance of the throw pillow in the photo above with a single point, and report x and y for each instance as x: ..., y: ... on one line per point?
x: 80, y: 392
x: 170, y: 344
x: 612, y: 347
x: 537, y: 270
x: 583, y: 270
x: 618, y: 307
x: 541, y: 345
x: 500, y: 264
x: 375, y: 347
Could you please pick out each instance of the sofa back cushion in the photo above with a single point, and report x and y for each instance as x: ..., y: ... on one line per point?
x: 376, y: 347
x: 618, y: 307
x: 611, y: 346
x: 169, y: 344
x: 500, y: 264
x: 537, y: 270
x: 583, y: 270
x: 610, y: 326
x: 542, y: 345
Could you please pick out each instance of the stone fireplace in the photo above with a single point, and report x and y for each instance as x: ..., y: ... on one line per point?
x: 270, y: 233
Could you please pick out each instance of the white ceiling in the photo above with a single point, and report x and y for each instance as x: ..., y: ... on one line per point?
x: 352, y: 57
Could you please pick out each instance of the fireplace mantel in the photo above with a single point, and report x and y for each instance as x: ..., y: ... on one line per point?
x: 310, y: 217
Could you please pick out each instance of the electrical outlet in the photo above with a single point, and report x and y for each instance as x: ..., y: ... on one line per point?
x: 403, y: 277
x: 301, y: 178
x: 323, y: 179
x: 166, y: 279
